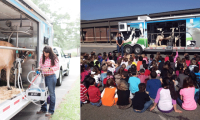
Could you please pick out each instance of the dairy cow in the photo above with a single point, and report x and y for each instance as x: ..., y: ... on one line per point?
x: 7, y: 58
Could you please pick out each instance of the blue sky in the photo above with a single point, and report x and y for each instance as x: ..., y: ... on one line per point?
x: 99, y: 9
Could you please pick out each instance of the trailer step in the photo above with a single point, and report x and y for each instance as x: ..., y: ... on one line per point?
x: 12, y: 106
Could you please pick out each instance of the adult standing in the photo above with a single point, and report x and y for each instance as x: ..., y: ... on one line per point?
x: 120, y: 41
x: 48, y: 65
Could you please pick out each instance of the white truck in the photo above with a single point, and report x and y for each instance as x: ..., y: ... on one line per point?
x: 25, y: 26
x: 64, y: 61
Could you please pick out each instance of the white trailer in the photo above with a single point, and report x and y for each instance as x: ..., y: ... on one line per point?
x: 163, y: 34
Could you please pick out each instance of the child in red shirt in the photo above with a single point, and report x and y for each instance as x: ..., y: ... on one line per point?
x: 94, y: 93
x: 83, y: 92
x: 147, y: 71
x: 109, y: 76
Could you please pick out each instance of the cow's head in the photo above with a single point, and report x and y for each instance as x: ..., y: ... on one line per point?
x: 24, y: 54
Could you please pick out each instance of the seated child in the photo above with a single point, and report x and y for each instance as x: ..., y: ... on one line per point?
x: 196, y: 71
x: 153, y: 85
x: 109, y: 95
x: 109, y: 76
x: 186, y: 100
x: 133, y: 81
x: 95, y: 74
x: 123, y: 93
x: 103, y: 74
x: 147, y: 71
x: 142, y: 76
x: 83, y: 93
x: 94, y: 94
x: 111, y: 67
x: 166, y: 97
x: 141, y: 100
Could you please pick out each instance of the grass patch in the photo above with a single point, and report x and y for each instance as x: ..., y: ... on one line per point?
x: 69, y: 108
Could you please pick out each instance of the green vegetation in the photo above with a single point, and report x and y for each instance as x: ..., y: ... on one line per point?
x: 69, y: 109
x: 66, y: 34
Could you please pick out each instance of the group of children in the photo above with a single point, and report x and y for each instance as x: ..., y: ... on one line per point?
x: 140, y: 82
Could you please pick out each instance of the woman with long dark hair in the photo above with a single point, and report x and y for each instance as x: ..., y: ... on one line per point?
x: 166, y: 97
x: 48, y: 65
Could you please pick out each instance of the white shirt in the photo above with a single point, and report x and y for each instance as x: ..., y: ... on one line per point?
x: 112, y: 69
x: 165, y: 102
x: 97, y: 77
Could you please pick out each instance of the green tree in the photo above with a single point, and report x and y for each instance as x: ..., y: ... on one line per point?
x: 66, y: 37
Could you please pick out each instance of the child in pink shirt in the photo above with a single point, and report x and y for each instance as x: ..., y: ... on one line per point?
x: 142, y: 76
x: 187, y: 60
x: 186, y: 100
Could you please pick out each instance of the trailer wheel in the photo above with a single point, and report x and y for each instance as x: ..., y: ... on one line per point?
x: 137, y: 49
x: 128, y: 49
x: 59, y: 80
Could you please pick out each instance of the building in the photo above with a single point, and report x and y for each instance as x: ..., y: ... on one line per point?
x: 105, y: 30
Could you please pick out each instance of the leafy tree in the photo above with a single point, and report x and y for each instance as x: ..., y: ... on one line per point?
x: 66, y: 34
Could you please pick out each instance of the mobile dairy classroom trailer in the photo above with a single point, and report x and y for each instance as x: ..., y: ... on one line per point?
x: 25, y: 26
x: 164, y: 34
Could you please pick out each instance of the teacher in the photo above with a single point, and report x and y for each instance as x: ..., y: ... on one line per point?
x: 120, y: 41
x: 48, y: 65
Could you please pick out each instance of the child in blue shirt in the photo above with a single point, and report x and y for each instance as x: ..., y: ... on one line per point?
x: 153, y: 85
x: 133, y: 81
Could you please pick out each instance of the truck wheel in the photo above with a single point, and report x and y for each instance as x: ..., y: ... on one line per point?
x: 137, y: 49
x: 59, y: 80
x: 128, y: 49
x: 67, y: 73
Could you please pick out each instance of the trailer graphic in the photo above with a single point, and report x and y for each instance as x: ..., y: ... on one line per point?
x: 161, y: 34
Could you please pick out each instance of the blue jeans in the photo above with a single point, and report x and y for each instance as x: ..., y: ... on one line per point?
x: 179, y: 102
x: 122, y: 49
x: 50, y: 82
x: 196, y: 97
x: 146, y: 106
x: 98, y: 104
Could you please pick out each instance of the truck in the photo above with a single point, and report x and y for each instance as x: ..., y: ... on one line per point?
x: 163, y: 34
x: 25, y: 26
x: 64, y: 61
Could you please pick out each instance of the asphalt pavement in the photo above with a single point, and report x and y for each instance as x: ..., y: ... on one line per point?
x: 29, y: 112
x: 90, y: 112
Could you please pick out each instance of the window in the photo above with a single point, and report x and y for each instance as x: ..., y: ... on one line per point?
x: 121, y: 26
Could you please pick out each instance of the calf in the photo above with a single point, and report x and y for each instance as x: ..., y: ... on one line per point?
x: 7, y: 58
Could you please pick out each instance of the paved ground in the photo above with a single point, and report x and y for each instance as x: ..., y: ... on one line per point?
x: 29, y: 113
x: 89, y: 112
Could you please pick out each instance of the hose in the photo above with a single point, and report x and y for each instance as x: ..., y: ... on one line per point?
x: 31, y: 83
